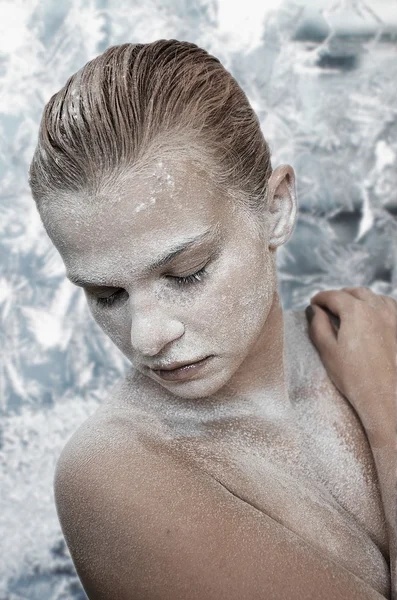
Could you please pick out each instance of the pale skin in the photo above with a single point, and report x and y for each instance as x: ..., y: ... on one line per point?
x: 367, y: 337
x: 228, y: 485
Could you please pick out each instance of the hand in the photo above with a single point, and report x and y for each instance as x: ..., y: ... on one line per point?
x: 359, y: 356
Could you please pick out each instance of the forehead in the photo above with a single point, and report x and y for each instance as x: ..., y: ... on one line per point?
x: 142, y: 214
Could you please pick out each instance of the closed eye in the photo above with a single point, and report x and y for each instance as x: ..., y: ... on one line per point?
x: 186, y: 280
x: 109, y: 300
x: 189, y: 279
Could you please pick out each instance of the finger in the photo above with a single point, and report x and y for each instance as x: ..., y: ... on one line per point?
x: 390, y: 302
x: 321, y: 330
x: 390, y: 309
x: 361, y: 293
x: 366, y: 295
x: 334, y: 300
x: 335, y: 321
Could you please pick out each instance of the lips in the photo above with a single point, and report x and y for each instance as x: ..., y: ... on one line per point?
x: 177, y: 365
x: 184, y: 372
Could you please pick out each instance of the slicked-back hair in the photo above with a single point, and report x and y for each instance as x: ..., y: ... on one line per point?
x: 136, y: 103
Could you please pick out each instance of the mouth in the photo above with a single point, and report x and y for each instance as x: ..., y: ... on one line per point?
x: 177, y: 365
x: 182, y: 370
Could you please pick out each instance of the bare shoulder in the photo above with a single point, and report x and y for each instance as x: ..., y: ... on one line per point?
x: 140, y: 523
x: 303, y: 363
x: 312, y: 392
x: 333, y: 431
x: 304, y: 367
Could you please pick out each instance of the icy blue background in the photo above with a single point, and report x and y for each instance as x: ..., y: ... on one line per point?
x: 322, y: 78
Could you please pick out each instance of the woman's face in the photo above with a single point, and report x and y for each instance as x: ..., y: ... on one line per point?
x: 173, y: 271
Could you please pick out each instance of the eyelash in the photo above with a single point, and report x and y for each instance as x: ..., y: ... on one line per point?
x: 191, y: 279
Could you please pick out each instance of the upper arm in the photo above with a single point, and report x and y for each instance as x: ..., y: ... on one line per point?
x: 150, y: 528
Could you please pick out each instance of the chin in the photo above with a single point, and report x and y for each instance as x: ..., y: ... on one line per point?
x: 195, y: 389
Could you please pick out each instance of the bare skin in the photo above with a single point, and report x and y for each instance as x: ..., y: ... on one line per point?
x: 255, y: 478
x: 367, y: 335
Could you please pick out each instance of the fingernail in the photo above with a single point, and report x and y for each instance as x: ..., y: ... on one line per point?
x: 309, y: 313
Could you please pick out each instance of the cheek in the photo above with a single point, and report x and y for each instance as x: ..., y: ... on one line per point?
x: 240, y: 298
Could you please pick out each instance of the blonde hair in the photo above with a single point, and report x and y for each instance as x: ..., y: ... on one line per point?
x: 138, y: 102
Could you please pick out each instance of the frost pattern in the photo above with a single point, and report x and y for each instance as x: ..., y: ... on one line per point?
x: 321, y: 77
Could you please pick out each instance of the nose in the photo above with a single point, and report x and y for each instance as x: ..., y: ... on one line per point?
x: 151, y: 330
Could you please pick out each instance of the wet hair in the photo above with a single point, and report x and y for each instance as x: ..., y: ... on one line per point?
x: 137, y: 103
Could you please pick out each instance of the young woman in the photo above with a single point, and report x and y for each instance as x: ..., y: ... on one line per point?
x: 229, y: 463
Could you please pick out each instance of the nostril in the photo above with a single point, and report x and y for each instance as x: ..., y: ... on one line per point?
x: 150, y: 336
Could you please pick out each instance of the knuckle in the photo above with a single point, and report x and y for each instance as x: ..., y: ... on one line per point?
x: 336, y: 294
x: 319, y: 294
x: 365, y: 291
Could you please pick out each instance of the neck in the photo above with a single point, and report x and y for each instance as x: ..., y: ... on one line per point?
x: 262, y: 373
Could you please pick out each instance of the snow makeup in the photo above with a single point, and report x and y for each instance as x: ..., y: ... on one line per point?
x: 174, y: 271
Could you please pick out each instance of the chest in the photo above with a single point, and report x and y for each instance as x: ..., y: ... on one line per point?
x: 312, y: 472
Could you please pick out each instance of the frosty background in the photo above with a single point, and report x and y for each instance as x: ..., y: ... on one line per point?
x: 322, y: 78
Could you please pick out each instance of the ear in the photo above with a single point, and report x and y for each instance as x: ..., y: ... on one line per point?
x: 282, y: 205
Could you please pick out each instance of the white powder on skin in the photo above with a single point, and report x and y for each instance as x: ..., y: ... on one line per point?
x: 144, y: 205
x: 191, y: 202
x: 298, y: 456
x: 334, y: 432
x: 163, y: 178
x: 303, y: 476
x: 311, y: 469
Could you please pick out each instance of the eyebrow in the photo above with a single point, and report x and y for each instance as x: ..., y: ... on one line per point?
x: 213, y: 234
